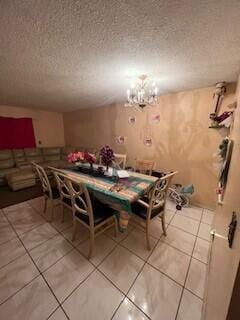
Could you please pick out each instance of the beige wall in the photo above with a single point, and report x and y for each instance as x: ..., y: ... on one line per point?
x: 181, y: 141
x: 48, y: 126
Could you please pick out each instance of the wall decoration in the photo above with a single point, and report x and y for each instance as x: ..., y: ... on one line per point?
x: 148, y: 141
x: 121, y: 139
x: 225, y: 153
x: 132, y: 120
x: 155, y: 118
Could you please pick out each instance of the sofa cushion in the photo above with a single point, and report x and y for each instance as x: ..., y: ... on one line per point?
x: 51, y: 154
x: 19, y: 157
x: 20, y: 175
x: 5, y: 154
x: 5, y: 172
x: 33, y: 152
x: 51, y: 151
x: 8, y: 163
x: 18, y: 153
x: 37, y: 159
x: 65, y: 151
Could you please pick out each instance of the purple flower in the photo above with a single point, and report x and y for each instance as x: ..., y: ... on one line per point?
x: 107, y: 155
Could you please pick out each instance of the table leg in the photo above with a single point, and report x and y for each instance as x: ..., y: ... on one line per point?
x: 123, y: 220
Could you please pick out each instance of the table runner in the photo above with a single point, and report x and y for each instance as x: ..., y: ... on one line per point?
x: 104, y: 189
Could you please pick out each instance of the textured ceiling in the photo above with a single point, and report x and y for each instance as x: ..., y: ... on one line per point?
x: 66, y: 55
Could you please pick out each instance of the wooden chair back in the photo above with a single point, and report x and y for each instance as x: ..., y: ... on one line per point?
x: 120, y: 160
x: 62, y: 186
x: 145, y: 166
x: 43, y: 178
x: 81, y: 201
x: 158, y: 194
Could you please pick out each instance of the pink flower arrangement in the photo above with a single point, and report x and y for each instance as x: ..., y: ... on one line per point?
x: 90, y: 158
x: 81, y: 157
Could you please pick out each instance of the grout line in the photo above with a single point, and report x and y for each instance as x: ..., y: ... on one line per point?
x: 97, y: 267
x: 40, y: 274
x: 12, y: 295
x: 186, y: 277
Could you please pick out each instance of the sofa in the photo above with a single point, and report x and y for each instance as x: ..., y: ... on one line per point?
x: 16, y: 163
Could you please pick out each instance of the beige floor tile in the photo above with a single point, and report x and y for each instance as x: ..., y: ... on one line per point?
x: 128, y: 311
x: 16, y: 207
x: 6, y: 233
x: 192, y: 212
x: 11, y: 250
x: 184, y: 223
x: 155, y: 226
x: 64, y: 276
x: 34, y: 302
x: 95, y: 298
x: 24, y: 219
x: 120, y: 235
x: 136, y: 242
x: 196, y: 278
x: 16, y: 275
x: 201, y: 250
x: 37, y: 204
x: 170, y: 205
x: 82, y: 234
x: 58, y: 315
x: 190, y: 307
x: 50, y: 251
x: 57, y: 219
x: 204, y: 231
x: 179, y: 239
x: 155, y: 294
x: 169, y: 214
x: 121, y: 267
x: 207, y: 216
x: 103, y: 246
x: 38, y: 235
x: 170, y: 261
x: 3, y: 220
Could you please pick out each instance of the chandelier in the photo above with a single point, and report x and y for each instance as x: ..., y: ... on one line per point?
x: 142, y: 94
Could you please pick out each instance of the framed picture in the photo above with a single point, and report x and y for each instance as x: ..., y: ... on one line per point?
x: 121, y: 139
x: 155, y: 118
x: 148, y: 141
x: 132, y: 120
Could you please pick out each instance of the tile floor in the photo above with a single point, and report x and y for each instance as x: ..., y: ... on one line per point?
x: 44, y: 275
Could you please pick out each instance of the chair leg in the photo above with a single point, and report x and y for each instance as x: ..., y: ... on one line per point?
x: 45, y: 204
x: 91, y: 244
x: 51, y: 212
x: 62, y: 213
x: 163, y: 225
x: 116, y: 228
x: 147, y: 237
x: 74, y: 229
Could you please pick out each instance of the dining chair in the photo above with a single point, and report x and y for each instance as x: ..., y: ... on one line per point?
x: 90, y: 212
x: 152, y: 206
x: 120, y: 160
x: 144, y: 166
x: 50, y: 192
x: 63, y: 189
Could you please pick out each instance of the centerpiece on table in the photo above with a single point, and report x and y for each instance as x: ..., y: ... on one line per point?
x: 107, y: 156
x: 80, y: 157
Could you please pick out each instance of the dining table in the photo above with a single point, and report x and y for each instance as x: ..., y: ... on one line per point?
x: 117, y: 193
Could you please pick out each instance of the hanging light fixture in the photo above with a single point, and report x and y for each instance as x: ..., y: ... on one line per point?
x: 142, y: 94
